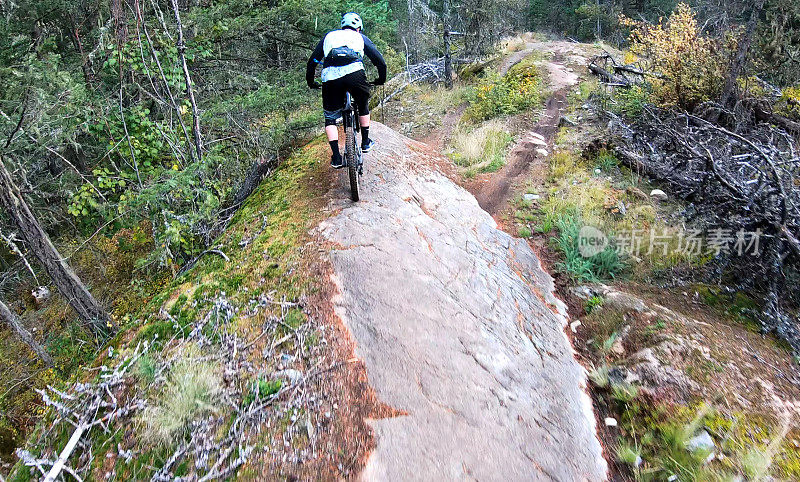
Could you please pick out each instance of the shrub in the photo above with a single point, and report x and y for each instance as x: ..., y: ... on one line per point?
x: 692, y: 66
x: 630, y: 102
x: 789, y: 103
x: 519, y: 89
x: 592, y: 303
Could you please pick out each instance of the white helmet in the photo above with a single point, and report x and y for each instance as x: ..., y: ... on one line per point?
x: 352, y: 20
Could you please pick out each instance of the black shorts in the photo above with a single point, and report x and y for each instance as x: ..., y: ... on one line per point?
x: 333, y: 95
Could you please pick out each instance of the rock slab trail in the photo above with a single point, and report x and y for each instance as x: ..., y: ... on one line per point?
x: 458, y: 328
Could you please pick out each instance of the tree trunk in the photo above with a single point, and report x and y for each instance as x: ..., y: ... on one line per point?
x: 448, y: 61
x: 7, y: 317
x: 740, y: 62
x: 37, y: 240
x: 198, y: 142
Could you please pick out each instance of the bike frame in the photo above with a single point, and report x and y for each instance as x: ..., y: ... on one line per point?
x: 350, y: 119
x: 352, y: 154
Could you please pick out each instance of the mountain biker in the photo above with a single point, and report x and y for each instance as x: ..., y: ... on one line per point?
x: 341, y: 53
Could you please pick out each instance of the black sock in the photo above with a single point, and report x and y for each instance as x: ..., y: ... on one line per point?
x: 364, y: 136
x: 335, y: 149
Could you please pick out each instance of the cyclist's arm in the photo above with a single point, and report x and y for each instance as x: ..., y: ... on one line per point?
x: 311, y: 66
x: 376, y: 58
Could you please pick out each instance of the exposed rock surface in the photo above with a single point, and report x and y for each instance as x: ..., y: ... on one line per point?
x: 458, y: 327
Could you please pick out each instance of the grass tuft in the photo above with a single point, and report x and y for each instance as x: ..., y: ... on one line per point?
x: 602, y: 266
x: 193, y: 390
x: 482, y: 149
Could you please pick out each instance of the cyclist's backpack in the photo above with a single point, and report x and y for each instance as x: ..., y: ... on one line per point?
x: 339, y: 56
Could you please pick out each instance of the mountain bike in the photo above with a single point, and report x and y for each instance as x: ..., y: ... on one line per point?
x: 352, y: 151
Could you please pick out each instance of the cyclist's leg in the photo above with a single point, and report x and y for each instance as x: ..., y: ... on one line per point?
x: 359, y: 89
x: 332, y: 103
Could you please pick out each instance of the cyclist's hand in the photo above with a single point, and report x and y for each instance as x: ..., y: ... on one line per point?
x: 378, y: 82
x: 315, y: 85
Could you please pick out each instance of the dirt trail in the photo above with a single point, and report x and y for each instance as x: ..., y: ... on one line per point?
x: 492, y: 190
x: 458, y: 328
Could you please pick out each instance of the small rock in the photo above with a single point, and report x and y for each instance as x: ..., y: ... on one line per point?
x: 617, y: 348
x: 309, y: 428
x: 672, y: 478
x: 701, y: 441
x: 531, y: 197
x: 574, y: 326
x: 41, y: 294
x: 294, y: 376
x: 598, y: 171
x: 542, y: 152
x: 658, y: 195
x: 585, y: 292
x: 637, y: 193
x: 611, y: 422
x: 625, y: 301
x: 638, y: 462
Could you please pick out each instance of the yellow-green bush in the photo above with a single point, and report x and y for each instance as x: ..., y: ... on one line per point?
x: 789, y: 103
x: 691, y: 66
x: 519, y: 89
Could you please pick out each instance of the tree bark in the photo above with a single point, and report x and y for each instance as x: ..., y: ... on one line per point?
x: 448, y: 61
x: 8, y: 317
x: 37, y: 240
x: 740, y: 62
x: 198, y: 142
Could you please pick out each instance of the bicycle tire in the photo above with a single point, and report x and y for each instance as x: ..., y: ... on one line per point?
x: 352, y: 161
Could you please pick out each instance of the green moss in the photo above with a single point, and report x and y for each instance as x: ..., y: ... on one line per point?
x: 737, y: 305
x: 295, y: 318
x: 263, y: 388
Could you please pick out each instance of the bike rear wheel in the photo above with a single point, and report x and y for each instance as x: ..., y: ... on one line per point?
x: 352, y: 160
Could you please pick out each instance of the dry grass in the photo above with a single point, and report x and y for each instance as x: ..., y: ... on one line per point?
x: 192, y: 390
x: 482, y: 149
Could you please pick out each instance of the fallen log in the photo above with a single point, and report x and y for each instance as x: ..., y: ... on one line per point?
x: 609, y: 77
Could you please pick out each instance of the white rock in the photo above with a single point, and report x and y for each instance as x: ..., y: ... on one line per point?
x: 41, y: 294
x: 611, y: 422
x: 531, y: 197
x: 701, y: 441
x: 542, y: 152
x: 617, y: 348
x: 597, y: 171
x: 574, y: 326
x: 294, y: 376
x: 658, y: 195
